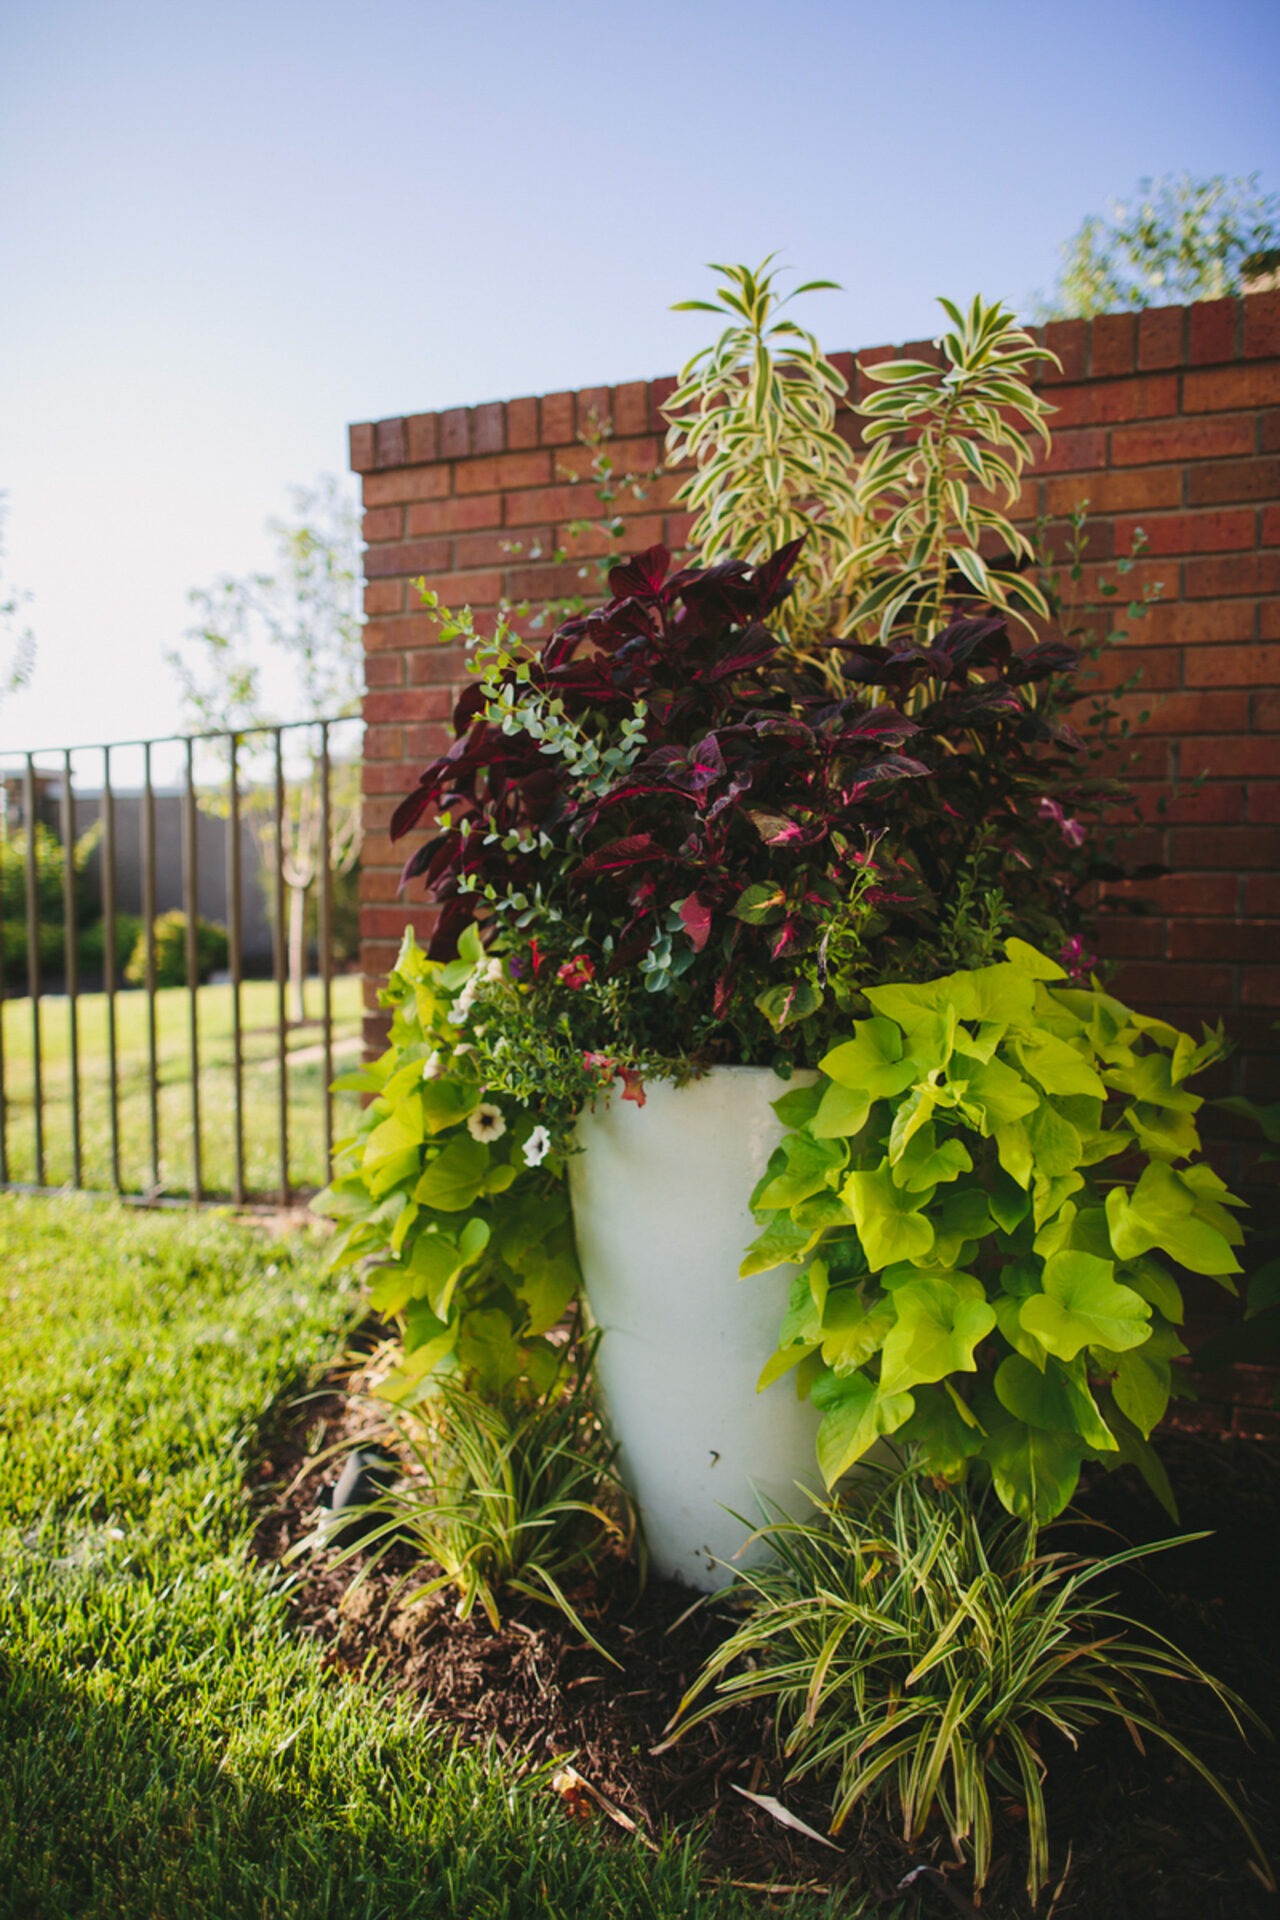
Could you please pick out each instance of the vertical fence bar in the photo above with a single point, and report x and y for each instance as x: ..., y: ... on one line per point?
x: 191, y: 896
x: 148, y: 827
x: 325, y: 936
x: 282, y: 1025
x: 109, y: 959
x: 33, y: 962
x: 235, y: 933
x: 71, y: 962
x: 4, y: 978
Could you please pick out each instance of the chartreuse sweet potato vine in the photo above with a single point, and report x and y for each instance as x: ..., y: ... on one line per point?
x: 457, y: 1197
x: 983, y: 1193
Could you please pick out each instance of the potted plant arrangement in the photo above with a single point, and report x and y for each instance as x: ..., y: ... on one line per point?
x: 788, y: 842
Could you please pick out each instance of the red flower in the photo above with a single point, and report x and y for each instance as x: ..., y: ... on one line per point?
x: 577, y: 972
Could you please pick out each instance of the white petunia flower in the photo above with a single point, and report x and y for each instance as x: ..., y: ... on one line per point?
x: 493, y: 971
x: 462, y: 1006
x: 537, y: 1147
x: 486, y: 1123
x: 433, y: 1066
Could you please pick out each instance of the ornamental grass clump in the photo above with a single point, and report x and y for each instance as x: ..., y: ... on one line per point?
x: 918, y: 1649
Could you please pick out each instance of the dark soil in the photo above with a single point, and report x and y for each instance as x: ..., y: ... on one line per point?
x: 1148, y: 1839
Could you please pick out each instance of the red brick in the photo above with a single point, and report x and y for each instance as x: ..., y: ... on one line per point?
x: 1228, y: 387
x: 1233, y: 667
x: 383, y: 743
x: 1150, y: 396
x: 482, y: 550
x: 499, y: 471
x: 1219, y: 849
x: 639, y: 531
x: 1271, y: 527
x: 1161, y: 668
x: 1266, y: 711
x: 1115, y: 338
x: 1255, y: 573
x: 1214, y: 803
x: 522, y: 423
x: 383, y: 523
x: 660, y: 391
x: 1261, y: 325
x: 1262, y: 894
x: 1269, y: 620
x: 1076, y: 451
x: 360, y: 447
x: 677, y: 532
x: 1161, y: 332
x: 549, y: 581
x: 1173, y: 623
x: 406, y: 556
x: 1130, y: 491
x: 546, y: 504
x: 1260, y: 987
x: 383, y: 596
x: 1190, y: 532
x: 379, y: 886
x: 383, y: 777
x: 1182, y: 440
x: 1235, y: 941
x: 389, y: 443
x: 455, y: 516
x: 1224, y: 758
x: 455, y: 433
x: 488, y: 428
x: 1225, y: 480
x: 383, y: 670
x: 556, y: 419
x: 400, y: 704
x: 1186, y: 713
x: 1128, y: 937
x: 437, y: 666
x: 387, y: 923
x: 426, y: 741
x: 1269, y: 430
x: 631, y: 407
x: 422, y: 432
x: 394, y: 636
x: 409, y: 483
x: 1214, y: 325
x: 1069, y: 339
x: 1201, y: 893
x: 594, y: 404
x: 1154, y: 984
x: 1264, y: 796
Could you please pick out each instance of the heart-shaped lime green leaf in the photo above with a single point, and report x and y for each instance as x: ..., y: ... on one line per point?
x: 997, y: 1093
x: 1057, y: 1399
x: 1030, y: 960
x: 947, y: 1440
x: 452, y: 1181
x: 798, y: 1168
x: 890, y: 1223
x: 1160, y: 1213
x: 1142, y: 1379
x: 856, y: 1413
x: 1054, y: 1141
x: 1034, y: 1472
x: 798, y: 1105
x: 445, y: 1102
x: 935, y: 1333
x: 872, y: 1062
x: 841, y: 1111
x: 1057, y: 1066
x: 852, y: 1330
x: 781, y: 1243
x: 926, y: 1163
x: 1082, y: 1305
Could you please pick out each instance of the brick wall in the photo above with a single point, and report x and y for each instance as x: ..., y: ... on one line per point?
x: 1167, y: 420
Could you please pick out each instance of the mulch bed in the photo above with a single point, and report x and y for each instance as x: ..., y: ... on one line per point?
x: 1148, y: 1839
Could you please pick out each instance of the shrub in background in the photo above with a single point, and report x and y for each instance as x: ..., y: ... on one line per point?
x: 169, y: 934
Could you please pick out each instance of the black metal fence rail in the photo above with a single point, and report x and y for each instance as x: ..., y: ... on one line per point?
x: 220, y: 775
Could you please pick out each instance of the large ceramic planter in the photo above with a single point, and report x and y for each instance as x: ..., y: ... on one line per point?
x: 660, y: 1212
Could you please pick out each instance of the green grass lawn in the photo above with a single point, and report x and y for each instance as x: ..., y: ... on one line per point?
x: 261, y: 1087
x: 169, y: 1749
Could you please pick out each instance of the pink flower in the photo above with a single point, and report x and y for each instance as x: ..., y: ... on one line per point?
x: 1072, y: 831
x: 1077, y: 962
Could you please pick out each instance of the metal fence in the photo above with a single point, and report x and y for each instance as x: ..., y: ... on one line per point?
x: 217, y: 1088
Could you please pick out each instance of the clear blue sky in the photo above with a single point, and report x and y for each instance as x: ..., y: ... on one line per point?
x: 227, y: 231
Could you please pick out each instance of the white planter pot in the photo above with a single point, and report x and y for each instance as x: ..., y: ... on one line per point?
x: 660, y: 1212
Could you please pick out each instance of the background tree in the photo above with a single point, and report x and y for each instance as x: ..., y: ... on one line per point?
x: 1181, y: 239
x: 17, y: 644
x: 281, y: 646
